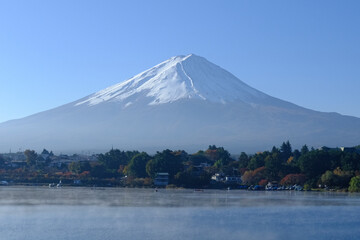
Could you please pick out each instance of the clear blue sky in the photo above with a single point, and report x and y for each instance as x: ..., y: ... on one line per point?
x: 55, y: 52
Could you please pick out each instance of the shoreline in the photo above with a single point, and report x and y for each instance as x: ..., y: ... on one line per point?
x: 169, y: 187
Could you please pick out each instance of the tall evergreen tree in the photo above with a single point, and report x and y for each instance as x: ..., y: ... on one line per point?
x: 304, y: 150
x: 243, y: 160
x: 285, y: 151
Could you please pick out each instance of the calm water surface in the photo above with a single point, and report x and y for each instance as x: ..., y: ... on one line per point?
x: 82, y: 213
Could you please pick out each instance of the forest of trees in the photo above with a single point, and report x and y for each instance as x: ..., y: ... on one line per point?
x: 311, y: 168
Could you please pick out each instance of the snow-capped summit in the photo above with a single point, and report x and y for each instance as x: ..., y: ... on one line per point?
x: 180, y: 77
x: 185, y: 102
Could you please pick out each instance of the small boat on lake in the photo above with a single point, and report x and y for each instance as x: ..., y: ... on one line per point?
x: 59, y: 185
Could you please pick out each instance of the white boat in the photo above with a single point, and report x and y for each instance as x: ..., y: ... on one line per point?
x: 59, y: 185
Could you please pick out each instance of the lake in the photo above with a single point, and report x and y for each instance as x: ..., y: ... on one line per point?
x: 116, y: 213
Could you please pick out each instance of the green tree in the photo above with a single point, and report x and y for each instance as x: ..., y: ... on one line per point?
x: 275, y: 150
x: 243, y: 160
x: 273, y: 165
x: 79, y: 167
x: 188, y: 179
x: 129, y: 155
x: 335, y: 158
x: 285, y: 151
x: 151, y: 168
x: 217, y: 153
x: 329, y: 179
x: 31, y: 156
x: 198, y: 158
x: 304, y: 150
x: 165, y: 161
x: 296, y: 155
x: 85, y: 166
x: 256, y: 161
x: 355, y: 184
x: 343, y: 177
x: 99, y: 171
x: 313, y: 164
x: 350, y: 161
x: 137, y: 165
x: 114, y: 158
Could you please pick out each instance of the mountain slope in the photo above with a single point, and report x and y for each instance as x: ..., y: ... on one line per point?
x: 186, y: 103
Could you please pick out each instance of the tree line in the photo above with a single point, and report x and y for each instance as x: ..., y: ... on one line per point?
x: 311, y: 168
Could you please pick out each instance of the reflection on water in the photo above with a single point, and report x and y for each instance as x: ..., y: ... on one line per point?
x: 84, y: 213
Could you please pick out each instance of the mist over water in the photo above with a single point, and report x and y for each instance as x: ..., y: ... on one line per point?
x: 113, y: 213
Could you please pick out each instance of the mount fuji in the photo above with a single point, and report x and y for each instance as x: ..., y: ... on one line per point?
x: 185, y: 102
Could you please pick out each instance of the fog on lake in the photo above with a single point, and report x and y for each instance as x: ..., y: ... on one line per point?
x: 116, y: 213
